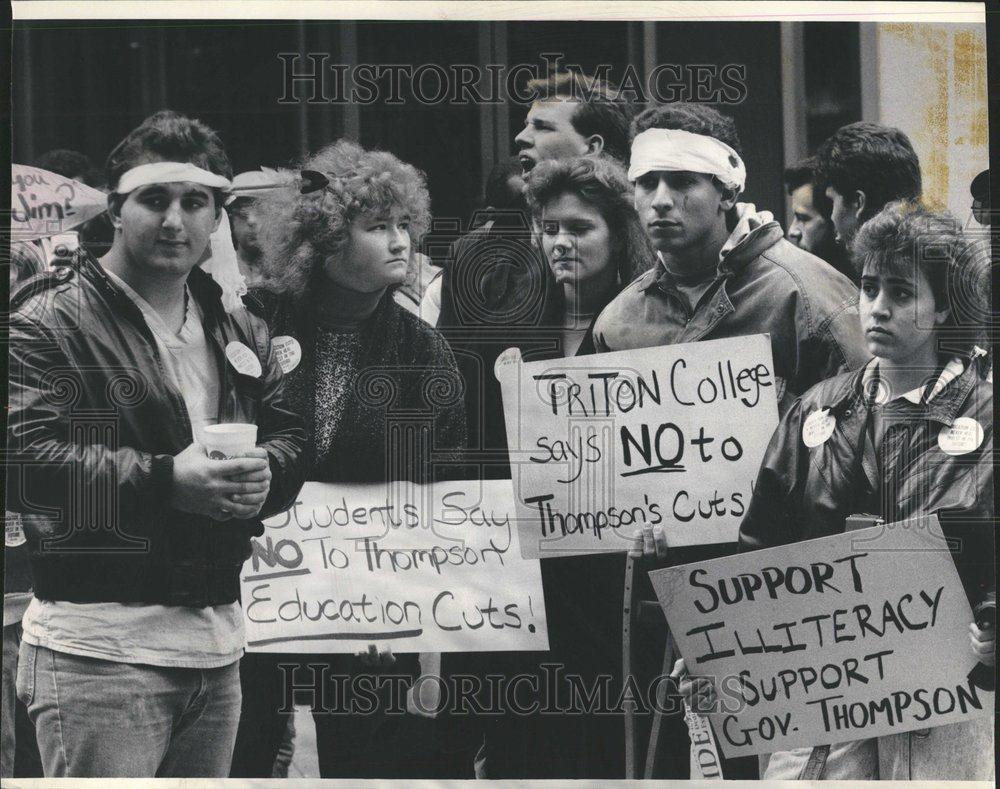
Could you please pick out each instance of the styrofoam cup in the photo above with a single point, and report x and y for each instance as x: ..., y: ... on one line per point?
x: 229, y: 440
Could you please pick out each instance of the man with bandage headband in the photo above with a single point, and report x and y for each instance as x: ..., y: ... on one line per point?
x: 725, y: 270
x: 129, y: 662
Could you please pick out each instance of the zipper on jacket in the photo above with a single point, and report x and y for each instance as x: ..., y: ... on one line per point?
x: 138, y: 322
x: 174, y: 395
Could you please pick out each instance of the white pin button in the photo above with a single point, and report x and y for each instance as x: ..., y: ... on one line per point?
x: 965, y: 435
x: 243, y: 359
x: 13, y: 530
x: 506, y: 360
x: 288, y: 351
x: 817, y: 428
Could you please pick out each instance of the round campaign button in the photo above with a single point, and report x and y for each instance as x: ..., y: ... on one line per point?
x: 243, y: 359
x: 13, y: 530
x: 507, y: 359
x: 818, y: 427
x: 288, y: 351
x: 965, y: 435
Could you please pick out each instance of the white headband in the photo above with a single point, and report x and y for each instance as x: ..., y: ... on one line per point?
x: 168, y: 173
x: 220, y: 256
x: 674, y: 149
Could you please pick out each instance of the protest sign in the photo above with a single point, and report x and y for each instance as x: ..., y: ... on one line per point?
x: 431, y: 568
x: 44, y: 204
x: 858, y: 635
x: 602, y: 445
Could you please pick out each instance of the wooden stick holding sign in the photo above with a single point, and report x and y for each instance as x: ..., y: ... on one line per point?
x: 431, y: 568
x: 602, y: 445
x: 843, y: 638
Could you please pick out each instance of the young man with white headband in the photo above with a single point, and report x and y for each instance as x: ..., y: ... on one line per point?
x: 725, y: 270
x: 129, y: 663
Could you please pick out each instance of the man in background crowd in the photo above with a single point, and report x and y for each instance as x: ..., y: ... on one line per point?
x: 810, y: 227
x: 248, y: 186
x: 864, y: 166
x: 495, y: 281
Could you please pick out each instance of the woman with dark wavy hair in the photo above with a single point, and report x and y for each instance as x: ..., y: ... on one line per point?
x: 591, y: 237
x: 335, y: 245
x: 908, y: 434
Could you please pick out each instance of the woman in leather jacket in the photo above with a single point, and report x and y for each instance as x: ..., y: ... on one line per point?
x: 910, y: 433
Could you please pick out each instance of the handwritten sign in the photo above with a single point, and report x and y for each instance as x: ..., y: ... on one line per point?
x: 44, y: 204
x: 420, y: 568
x: 842, y: 638
x: 603, y: 445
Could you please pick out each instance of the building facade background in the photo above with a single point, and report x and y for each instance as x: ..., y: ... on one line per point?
x: 83, y: 85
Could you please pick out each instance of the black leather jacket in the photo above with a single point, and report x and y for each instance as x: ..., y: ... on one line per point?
x: 802, y: 493
x: 92, y: 430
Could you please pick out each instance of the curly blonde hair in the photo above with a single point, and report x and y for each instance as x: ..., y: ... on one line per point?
x: 298, y: 233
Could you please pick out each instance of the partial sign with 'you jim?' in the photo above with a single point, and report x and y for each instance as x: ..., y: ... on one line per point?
x: 432, y: 568
x: 843, y: 638
x: 603, y: 445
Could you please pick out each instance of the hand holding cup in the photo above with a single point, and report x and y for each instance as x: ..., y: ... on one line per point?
x: 227, y: 477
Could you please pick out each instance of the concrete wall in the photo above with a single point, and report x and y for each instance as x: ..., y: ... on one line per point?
x: 931, y: 82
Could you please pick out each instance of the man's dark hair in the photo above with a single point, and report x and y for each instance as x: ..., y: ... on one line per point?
x: 600, y: 108
x: 799, y: 174
x: 802, y: 173
x: 694, y: 118
x: 171, y: 137
x: 70, y: 164
x: 875, y: 159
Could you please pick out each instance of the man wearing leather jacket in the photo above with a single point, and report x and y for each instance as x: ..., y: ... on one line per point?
x: 131, y: 647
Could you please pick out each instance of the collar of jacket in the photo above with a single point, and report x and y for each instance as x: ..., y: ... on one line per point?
x: 203, y: 288
x: 944, y: 408
x: 753, y: 235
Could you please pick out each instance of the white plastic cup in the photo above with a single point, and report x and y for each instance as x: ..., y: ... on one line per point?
x: 229, y: 440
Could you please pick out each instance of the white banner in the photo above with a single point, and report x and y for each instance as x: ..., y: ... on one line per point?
x: 431, y: 568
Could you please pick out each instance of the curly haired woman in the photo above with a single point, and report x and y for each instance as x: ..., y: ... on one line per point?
x: 335, y: 246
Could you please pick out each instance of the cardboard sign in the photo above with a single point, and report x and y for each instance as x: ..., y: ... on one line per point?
x: 431, y: 568
x: 603, y: 445
x: 44, y: 204
x: 843, y: 638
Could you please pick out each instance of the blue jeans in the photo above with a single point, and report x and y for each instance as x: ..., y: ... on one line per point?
x: 18, y: 751
x: 97, y: 718
x: 846, y: 761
